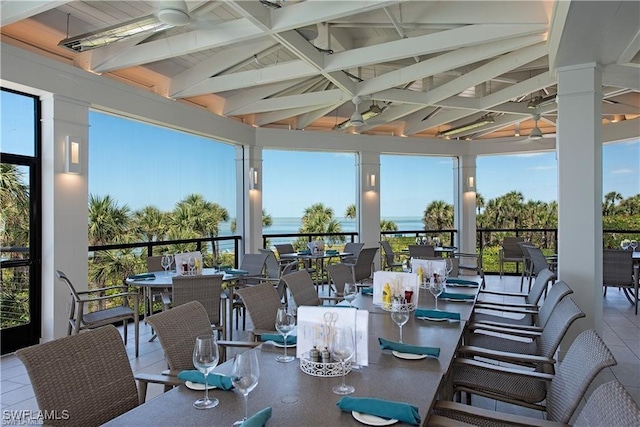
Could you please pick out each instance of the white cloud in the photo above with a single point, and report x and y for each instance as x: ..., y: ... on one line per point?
x: 542, y: 168
x: 623, y: 171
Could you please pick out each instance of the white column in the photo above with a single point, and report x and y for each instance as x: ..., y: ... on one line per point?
x: 579, y: 145
x: 249, y: 200
x: 465, y: 203
x: 368, y: 189
x: 66, y: 215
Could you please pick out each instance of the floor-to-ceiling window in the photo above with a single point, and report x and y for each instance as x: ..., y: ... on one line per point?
x: 20, y: 221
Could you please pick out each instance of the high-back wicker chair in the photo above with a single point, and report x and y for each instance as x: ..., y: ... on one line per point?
x: 302, y: 288
x: 617, y: 271
x: 339, y: 274
x: 561, y: 392
x: 389, y: 257
x: 206, y: 289
x: 354, y: 249
x: 531, y: 298
x: 85, y: 379
x: 262, y: 302
x: 363, y: 268
x: 543, y: 343
x: 535, y: 262
x: 421, y: 251
x: 510, y: 252
x: 80, y: 318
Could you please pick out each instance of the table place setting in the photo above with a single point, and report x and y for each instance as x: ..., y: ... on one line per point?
x: 379, y: 412
x: 409, y: 351
x: 457, y: 297
x: 278, y: 340
x: 455, y: 282
x: 143, y: 276
x: 390, y: 285
x: 259, y: 419
x: 437, y: 315
x: 195, y: 380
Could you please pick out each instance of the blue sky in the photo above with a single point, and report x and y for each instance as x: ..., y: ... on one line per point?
x: 140, y: 164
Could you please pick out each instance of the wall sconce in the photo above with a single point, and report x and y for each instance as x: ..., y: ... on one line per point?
x: 471, y: 183
x: 371, y: 181
x: 72, y: 155
x: 253, y: 178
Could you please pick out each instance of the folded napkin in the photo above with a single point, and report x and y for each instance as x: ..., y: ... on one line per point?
x: 144, y: 276
x: 259, y: 419
x: 367, y: 291
x: 400, y: 411
x: 453, y: 295
x: 236, y: 271
x: 331, y: 252
x: 307, y: 252
x: 408, y: 348
x: 225, y: 267
x: 291, y: 339
x: 463, y: 282
x: 220, y: 381
x: 437, y: 314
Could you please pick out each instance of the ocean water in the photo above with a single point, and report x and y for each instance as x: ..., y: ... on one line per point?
x: 289, y: 225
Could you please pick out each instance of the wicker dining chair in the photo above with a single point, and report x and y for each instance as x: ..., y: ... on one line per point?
x: 354, y: 249
x: 84, y: 380
x: 557, y: 394
x: 339, y: 274
x: 421, y: 251
x: 609, y: 405
x: 206, y: 289
x: 363, y: 267
x: 535, y: 262
x: 617, y: 271
x: 82, y: 316
x: 303, y: 290
x: 389, y: 257
x: 510, y: 346
x: 262, y: 302
x: 510, y: 252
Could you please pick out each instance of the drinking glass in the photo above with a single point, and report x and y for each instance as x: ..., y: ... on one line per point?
x: 418, y: 241
x: 350, y: 292
x: 400, y: 313
x: 285, y: 322
x: 449, y: 266
x: 436, y: 287
x: 244, y: 376
x: 192, y: 265
x: 634, y: 245
x: 425, y: 240
x: 342, y: 348
x: 165, y: 262
x: 205, y: 358
x: 406, y: 266
x: 625, y: 244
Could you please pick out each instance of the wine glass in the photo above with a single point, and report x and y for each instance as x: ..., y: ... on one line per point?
x: 436, y: 287
x: 244, y: 376
x: 448, y: 266
x: 425, y: 240
x: 165, y: 262
x: 192, y: 265
x: 205, y: 358
x: 406, y: 265
x: 342, y: 348
x: 400, y: 313
x: 285, y: 322
x: 350, y: 292
x: 418, y: 240
x: 625, y: 244
x: 634, y: 245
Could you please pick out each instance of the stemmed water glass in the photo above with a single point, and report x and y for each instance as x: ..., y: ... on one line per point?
x: 448, y: 267
x: 205, y: 358
x: 244, y: 376
x: 342, y: 348
x: 400, y: 313
x: 625, y: 244
x: 436, y: 287
x: 192, y: 265
x: 634, y: 245
x: 166, y: 262
x: 285, y: 322
x: 350, y: 292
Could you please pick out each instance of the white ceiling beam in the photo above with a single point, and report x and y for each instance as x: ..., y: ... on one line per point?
x: 314, y: 99
x: 250, y: 95
x: 307, y: 119
x: 219, y: 35
x: 276, y: 116
x: 14, y: 11
x: 622, y: 76
x: 428, y: 44
x: 445, y: 117
x: 215, y: 64
x: 446, y: 61
x: 275, y: 73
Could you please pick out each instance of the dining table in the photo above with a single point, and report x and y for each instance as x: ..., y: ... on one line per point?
x: 297, y: 398
x: 159, y: 280
x: 317, y: 260
x: 440, y: 251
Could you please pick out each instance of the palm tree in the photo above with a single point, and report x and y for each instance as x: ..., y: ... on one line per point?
x: 150, y: 224
x: 609, y: 205
x: 108, y: 223
x: 387, y: 225
x: 267, y: 221
x: 438, y: 215
x: 630, y: 206
x: 318, y: 218
x: 479, y: 202
x: 14, y: 199
x: 350, y: 213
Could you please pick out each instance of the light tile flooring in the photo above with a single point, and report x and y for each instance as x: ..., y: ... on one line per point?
x: 621, y: 332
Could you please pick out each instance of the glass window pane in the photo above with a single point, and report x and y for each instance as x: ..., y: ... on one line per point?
x: 15, y: 224
x: 17, y: 123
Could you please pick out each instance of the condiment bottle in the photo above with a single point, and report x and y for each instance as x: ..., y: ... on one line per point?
x: 325, y: 356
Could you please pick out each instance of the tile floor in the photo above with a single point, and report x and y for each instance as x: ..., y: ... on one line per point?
x: 621, y: 332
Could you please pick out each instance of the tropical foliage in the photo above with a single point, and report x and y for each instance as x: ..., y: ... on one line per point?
x: 385, y: 224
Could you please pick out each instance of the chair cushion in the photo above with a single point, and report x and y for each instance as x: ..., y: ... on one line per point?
x: 110, y: 314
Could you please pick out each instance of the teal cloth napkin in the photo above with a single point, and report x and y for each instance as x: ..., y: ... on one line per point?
x: 437, y: 314
x: 145, y: 276
x: 259, y: 419
x: 236, y: 271
x: 400, y: 411
x: 367, y: 291
x: 408, y: 348
x: 220, y: 381
x: 291, y: 339
x: 332, y: 252
x: 453, y: 295
x: 304, y: 252
x: 463, y: 282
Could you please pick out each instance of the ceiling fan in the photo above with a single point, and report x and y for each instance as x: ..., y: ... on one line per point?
x: 536, y: 133
x: 358, y: 119
x: 169, y: 14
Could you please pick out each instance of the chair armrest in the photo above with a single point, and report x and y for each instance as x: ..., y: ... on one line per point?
x: 504, y: 355
x: 522, y: 306
x: 224, y: 344
x: 504, y: 330
x: 513, y: 371
x: 166, y: 298
x: 125, y: 294
x: 479, y: 323
x: 442, y: 421
x: 444, y: 406
x: 503, y: 293
x: 504, y: 309
x: 159, y: 379
x: 108, y: 288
